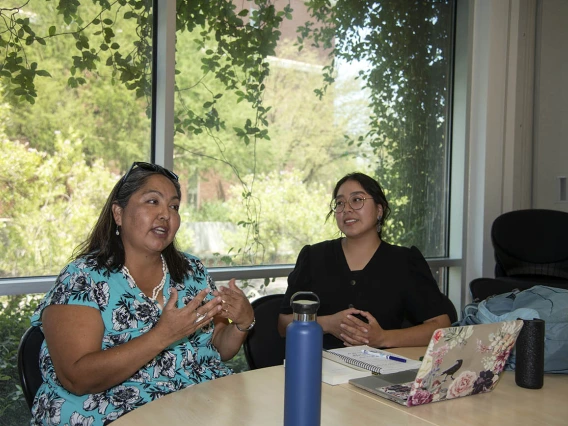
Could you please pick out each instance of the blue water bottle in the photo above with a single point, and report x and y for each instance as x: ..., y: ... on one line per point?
x: 304, y: 344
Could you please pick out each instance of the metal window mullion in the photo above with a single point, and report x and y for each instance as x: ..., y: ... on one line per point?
x: 163, y: 83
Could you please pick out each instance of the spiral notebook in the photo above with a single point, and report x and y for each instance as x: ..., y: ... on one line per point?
x: 459, y: 361
x: 364, y: 357
x: 335, y: 373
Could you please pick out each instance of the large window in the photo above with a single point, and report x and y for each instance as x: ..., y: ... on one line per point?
x: 68, y: 133
x: 265, y: 127
x: 274, y: 102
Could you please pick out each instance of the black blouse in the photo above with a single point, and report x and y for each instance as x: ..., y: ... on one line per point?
x: 396, y: 285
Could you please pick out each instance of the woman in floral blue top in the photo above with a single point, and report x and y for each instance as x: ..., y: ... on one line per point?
x: 131, y: 318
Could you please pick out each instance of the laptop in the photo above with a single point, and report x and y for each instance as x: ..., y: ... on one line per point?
x: 459, y: 361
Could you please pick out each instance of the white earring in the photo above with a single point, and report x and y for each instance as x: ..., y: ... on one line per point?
x: 117, y: 231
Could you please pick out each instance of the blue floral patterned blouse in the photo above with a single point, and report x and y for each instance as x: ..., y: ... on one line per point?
x: 127, y: 313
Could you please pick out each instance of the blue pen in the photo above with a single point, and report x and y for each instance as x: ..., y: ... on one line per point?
x: 382, y: 355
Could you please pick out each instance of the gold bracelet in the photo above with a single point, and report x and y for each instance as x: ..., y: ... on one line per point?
x: 249, y: 328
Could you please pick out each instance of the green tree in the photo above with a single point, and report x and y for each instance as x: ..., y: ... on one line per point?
x: 306, y: 138
x: 293, y: 215
x: 75, y: 94
x: 308, y: 131
x: 39, y: 193
x: 406, y: 49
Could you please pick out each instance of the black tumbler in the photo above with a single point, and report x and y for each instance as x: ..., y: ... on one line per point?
x: 529, y: 368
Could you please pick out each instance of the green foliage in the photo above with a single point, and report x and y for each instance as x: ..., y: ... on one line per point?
x: 20, y: 30
x: 231, y: 44
x: 15, y: 312
x: 184, y: 236
x: 80, y: 96
x: 293, y: 215
x: 406, y: 49
x: 213, y: 211
x: 304, y: 137
x: 49, y: 204
x: 232, y: 40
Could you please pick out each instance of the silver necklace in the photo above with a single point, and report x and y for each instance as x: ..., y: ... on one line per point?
x: 159, y: 287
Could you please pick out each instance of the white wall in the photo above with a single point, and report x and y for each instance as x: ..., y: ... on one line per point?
x: 499, y: 123
x: 551, y: 104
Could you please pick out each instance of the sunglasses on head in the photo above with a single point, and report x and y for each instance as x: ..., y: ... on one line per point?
x: 150, y: 167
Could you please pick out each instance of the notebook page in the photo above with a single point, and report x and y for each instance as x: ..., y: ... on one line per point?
x: 354, y: 356
x: 335, y: 373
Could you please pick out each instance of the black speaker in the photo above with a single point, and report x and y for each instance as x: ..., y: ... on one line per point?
x: 529, y: 368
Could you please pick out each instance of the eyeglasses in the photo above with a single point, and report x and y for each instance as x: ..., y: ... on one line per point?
x: 355, y: 201
x: 151, y: 167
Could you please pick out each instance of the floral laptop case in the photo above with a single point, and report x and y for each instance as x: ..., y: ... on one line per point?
x: 459, y: 361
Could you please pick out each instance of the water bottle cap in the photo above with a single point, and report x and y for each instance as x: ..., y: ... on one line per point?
x: 304, y: 306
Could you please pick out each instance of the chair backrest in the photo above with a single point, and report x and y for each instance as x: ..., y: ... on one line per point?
x: 264, y: 347
x: 531, y: 243
x: 28, y: 362
x: 482, y: 288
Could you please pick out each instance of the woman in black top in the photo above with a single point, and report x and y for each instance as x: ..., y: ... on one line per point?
x: 368, y: 288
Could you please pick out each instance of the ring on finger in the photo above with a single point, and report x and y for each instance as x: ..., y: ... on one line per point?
x: 199, y: 317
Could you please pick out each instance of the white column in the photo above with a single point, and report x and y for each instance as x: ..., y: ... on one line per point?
x: 499, y: 123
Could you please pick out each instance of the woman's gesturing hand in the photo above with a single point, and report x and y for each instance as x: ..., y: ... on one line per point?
x: 177, y: 323
x: 235, y: 305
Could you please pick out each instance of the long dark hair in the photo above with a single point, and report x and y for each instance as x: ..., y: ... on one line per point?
x: 371, y: 187
x: 106, y: 248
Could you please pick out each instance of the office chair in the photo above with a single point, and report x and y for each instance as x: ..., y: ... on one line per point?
x: 530, y: 248
x: 531, y: 244
x: 263, y: 346
x: 28, y: 362
x: 482, y: 288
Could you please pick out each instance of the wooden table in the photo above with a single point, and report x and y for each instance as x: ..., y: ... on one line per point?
x: 257, y: 398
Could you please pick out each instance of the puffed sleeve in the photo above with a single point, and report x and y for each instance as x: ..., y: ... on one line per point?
x: 298, y: 280
x: 74, y: 286
x: 425, y: 300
